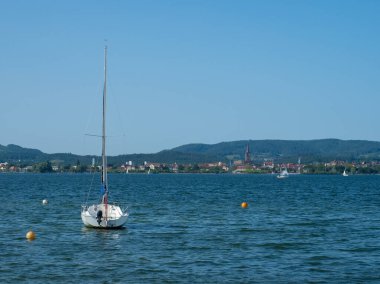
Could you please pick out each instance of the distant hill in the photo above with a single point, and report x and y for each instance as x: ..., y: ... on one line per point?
x: 14, y: 152
x: 26, y: 156
x: 279, y: 150
x: 290, y: 150
x: 166, y: 156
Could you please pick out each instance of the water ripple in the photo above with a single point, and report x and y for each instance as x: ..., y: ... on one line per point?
x: 191, y: 229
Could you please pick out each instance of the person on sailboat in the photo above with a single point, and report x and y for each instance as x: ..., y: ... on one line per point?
x: 99, y: 216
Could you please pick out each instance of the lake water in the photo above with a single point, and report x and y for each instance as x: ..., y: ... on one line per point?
x: 192, y: 229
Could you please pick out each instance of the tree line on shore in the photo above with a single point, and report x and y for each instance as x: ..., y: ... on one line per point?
x: 219, y: 168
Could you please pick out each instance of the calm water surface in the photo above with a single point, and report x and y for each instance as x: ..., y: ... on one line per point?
x: 191, y: 229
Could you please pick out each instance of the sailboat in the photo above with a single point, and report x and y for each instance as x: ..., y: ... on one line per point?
x: 104, y: 215
x: 283, y: 174
x: 344, y: 173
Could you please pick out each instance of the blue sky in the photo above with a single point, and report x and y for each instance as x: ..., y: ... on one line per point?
x: 187, y: 72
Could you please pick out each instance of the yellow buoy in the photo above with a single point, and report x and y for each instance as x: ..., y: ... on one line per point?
x: 244, y: 205
x: 30, y: 235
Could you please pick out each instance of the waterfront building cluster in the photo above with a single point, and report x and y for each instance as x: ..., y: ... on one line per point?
x: 246, y: 166
x: 234, y: 167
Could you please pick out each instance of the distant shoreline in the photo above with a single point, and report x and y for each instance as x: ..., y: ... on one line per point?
x: 189, y: 173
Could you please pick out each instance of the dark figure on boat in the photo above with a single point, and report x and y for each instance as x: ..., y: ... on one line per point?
x: 99, y: 216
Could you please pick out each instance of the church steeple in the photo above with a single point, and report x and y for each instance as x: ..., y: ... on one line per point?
x: 247, y: 156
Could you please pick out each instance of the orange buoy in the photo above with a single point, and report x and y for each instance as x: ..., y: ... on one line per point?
x: 30, y: 235
x: 244, y: 205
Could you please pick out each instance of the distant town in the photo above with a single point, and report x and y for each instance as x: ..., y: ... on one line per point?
x: 246, y: 166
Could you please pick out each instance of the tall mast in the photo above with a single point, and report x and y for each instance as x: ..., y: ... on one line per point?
x: 104, y: 157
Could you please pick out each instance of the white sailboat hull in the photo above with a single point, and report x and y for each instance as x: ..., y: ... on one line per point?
x: 280, y: 176
x: 112, y: 216
x: 283, y: 174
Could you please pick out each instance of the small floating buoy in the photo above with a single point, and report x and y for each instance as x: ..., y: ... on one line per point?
x: 244, y: 205
x: 30, y: 235
x: 45, y: 201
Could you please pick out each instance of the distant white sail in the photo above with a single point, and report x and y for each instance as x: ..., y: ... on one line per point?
x: 283, y: 174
